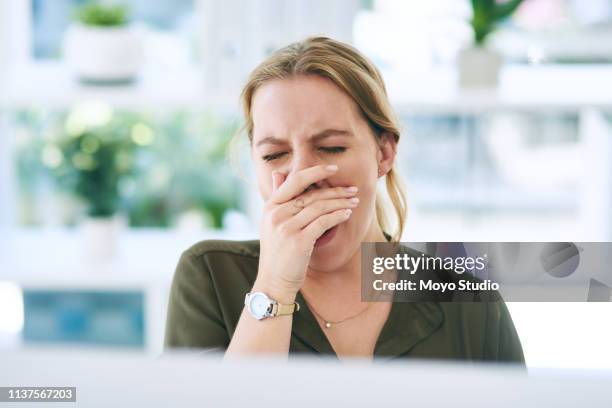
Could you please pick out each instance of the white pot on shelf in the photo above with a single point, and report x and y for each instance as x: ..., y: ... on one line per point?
x: 479, y: 68
x: 99, y: 237
x: 104, y: 54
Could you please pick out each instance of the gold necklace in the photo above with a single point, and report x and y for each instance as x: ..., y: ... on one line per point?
x: 329, y: 323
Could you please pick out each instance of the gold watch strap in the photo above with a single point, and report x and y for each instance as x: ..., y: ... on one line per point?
x: 279, y: 309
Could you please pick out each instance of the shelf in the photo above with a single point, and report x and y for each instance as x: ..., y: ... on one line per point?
x: 522, y: 87
x: 53, y: 258
x: 51, y: 85
x: 554, y: 88
x: 494, y: 199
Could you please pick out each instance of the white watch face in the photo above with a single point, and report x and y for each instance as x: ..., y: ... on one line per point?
x: 258, y: 305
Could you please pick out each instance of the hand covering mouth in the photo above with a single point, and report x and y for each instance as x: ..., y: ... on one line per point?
x: 313, y: 186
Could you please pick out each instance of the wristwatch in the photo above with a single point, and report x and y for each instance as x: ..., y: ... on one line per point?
x: 261, y: 306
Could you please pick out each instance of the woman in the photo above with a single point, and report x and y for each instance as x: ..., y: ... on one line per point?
x: 322, y: 133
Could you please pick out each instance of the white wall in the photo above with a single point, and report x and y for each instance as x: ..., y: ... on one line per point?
x: 6, y: 177
x: 238, y: 34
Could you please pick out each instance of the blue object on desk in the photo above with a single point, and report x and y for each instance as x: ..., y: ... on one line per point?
x: 113, y: 318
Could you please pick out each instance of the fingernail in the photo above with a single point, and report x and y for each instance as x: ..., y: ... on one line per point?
x: 351, y: 189
x: 331, y: 167
x: 354, y: 200
x: 347, y: 212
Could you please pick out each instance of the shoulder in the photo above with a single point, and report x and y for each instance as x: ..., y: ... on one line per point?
x: 480, y: 312
x: 218, y: 247
x: 220, y: 263
x: 210, y: 257
x: 207, y: 292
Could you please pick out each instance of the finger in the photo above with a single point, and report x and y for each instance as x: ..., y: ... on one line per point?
x: 316, y: 228
x: 278, y: 178
x: 309, y: 214
x: 290, y: 208
x: 327, y: 193
x: 296, y: 183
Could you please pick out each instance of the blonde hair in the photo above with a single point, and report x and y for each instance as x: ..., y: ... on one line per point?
x: 360, y: 79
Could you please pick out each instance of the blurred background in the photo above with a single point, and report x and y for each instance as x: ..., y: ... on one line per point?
x: 116, y: 120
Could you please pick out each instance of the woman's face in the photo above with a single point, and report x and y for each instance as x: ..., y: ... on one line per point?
x: 307, y: 121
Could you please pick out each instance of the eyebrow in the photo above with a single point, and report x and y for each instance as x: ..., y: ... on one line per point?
x: 316, y: 137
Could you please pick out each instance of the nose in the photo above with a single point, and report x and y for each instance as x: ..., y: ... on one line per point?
x: 304, y: 158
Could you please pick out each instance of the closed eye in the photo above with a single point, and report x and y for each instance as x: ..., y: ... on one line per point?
x: 270, y: 157
x: 332, y: 150
x: 335, y: 149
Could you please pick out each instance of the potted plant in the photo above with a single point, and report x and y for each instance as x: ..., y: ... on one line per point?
x: 479, y: 66
x: 102, y: 46
x: 93, y: 164
x: 184, y: 180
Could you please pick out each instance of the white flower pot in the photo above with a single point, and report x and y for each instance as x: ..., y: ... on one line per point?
x: 99, y: 237
x: 104, y: 54
x: 479, y: 68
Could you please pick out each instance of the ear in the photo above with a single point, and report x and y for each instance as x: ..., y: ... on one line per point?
x: 387, y: 150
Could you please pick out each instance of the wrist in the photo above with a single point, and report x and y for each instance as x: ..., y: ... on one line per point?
x: 278, y: 291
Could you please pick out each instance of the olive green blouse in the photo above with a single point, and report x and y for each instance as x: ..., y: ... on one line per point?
x: 213, y: 276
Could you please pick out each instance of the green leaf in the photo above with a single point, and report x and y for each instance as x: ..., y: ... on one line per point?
x: 505, y: 9
x: 486, y: 15
x: 103, y: 15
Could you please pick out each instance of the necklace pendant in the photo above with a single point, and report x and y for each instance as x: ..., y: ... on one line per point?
x: 328, y: 324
